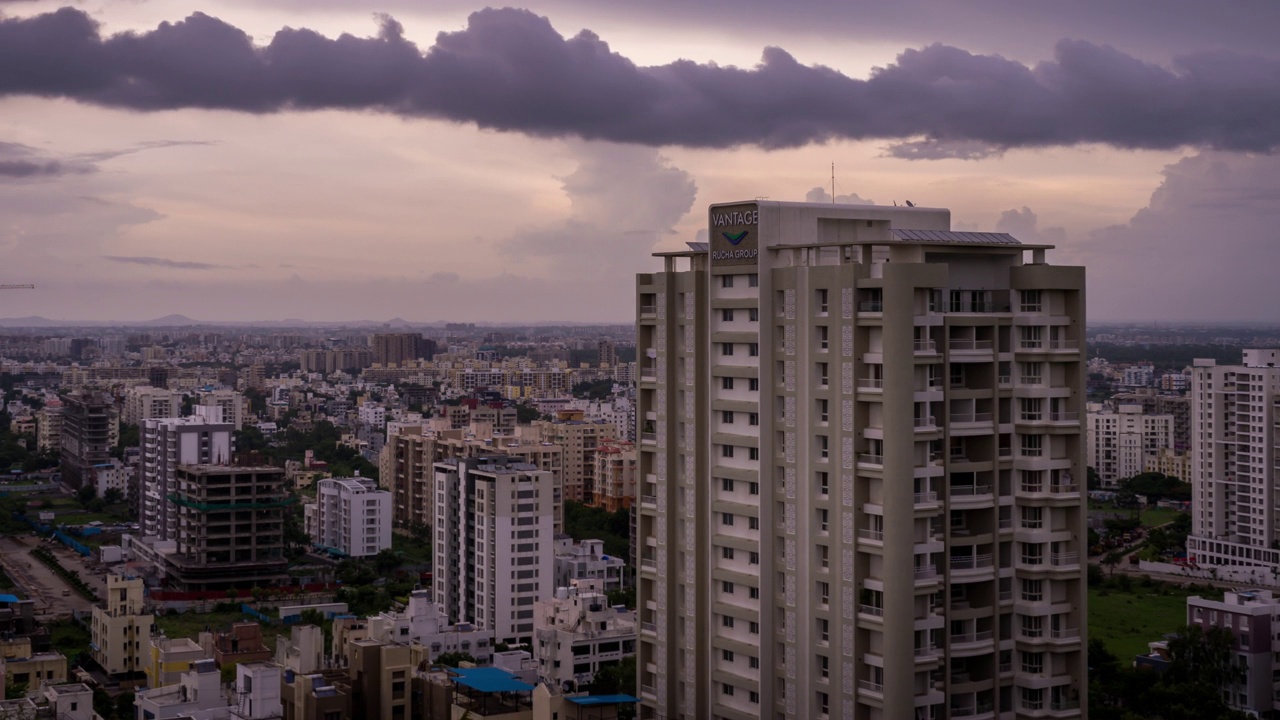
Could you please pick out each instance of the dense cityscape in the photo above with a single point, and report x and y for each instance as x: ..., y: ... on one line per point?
x: 390, y: 360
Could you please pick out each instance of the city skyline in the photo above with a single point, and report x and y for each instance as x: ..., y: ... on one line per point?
x: 1135, y: 141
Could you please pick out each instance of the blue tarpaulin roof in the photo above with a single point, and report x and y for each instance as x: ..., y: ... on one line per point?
x: 489, y: 680
x: 603, y: 700
x: 8, y: 598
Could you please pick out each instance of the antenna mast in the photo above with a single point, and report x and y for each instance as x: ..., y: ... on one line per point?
x: 833, y: 183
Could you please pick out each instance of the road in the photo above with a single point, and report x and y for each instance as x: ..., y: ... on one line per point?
x: 40, y: 583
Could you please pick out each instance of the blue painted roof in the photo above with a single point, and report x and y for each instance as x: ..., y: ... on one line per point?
x: 489, y: 680
x: 603, y: 700
x: 8, y: 598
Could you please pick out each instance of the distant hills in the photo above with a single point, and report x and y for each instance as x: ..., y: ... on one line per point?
x: 175, y: 320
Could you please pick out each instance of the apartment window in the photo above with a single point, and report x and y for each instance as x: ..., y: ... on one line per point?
x: 1032, y: 553
x: 726, y: 689
x: 753, y: 314
x: 753, y: 488
x: 726, y: 655
x: 726, y: 281
x: 823, y: 449
x: 726, y: 314
x: 823, y: 415
x: 1032, y: 590
x: 726, y: 621
x: 823, y: 340
x: 1032, y: 445
x: 1032, y: 698
x: 726, y: 417
x: 1033, y: 662
x: 753, y: 280
x: 753, y: 662
x: 726, y: 484
x: 753, y: 384
x: 753, y: 593
x: 726, y: 451
x: 753, y: 419
x: 822, y: 374
x: 753, y: 349
x: 726, y: 519
x: 1032, y: 626
x: 753, y: 558
x: 824, y: 593
x: 824, y: 666
x: 753, y: 522
x: 1032, y: 517
x: 1031, y: 301
x: 822, y: 520
x: 824, y: 703
x: 755, y: 697
x: 726, y: 587
x: 824, y: 556
x: 754, y: 628
x: 726, y: 553
x: 823, y: 482
x: 726, y: 383
x: 822, y: 302
x: 726, y: 348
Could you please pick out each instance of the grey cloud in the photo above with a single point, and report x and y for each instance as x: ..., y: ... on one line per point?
x: 820, y: 195
x: 102, y: 155
x: 161, y: 262
x: 1202, y: 249
x: 511, y: 70
x: 18, y: 161
x: 1025, y: 225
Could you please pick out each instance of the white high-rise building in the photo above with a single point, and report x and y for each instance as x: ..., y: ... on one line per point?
x: 231, y: 402
x: 1234, y: 462
x: 200, y: 439
x: 145, y: 403
x: 861, y: 471
x: 1119, y: 440
x: 350, y: 515
x: 495, y: 533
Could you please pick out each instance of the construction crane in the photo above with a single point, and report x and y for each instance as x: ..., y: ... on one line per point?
x: 17, y: 287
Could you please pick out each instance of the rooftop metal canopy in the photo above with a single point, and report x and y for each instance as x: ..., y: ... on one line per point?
x: 955, y: 236
x: 489, y: 680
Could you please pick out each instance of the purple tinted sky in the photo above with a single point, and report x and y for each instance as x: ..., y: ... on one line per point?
x: 256, y: 160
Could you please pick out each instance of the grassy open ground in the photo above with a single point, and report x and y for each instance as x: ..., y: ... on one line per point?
x: 413, y: 551
x: 1151, y: 517
x: 1127, y: 621
x: 190, y: 625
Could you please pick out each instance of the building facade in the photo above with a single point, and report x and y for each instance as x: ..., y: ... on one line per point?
x: 494, y: 536
x: 145, y: 403
x: 1234, y: 519
x: 1120, y: 440
x: 350, y: 515
x: 881, y: 419
x: 578, y: 633
x: 1251, y: 617
x: 121, y: 628
x: 200, y: 439
x: 90, y: 427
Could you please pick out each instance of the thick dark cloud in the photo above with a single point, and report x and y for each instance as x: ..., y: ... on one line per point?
x: 511, y: 70
x: 161, y: 262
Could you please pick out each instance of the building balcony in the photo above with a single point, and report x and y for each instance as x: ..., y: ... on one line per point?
x: 970, y: 493
x: 926, y: 424
x: 926, y: 500
x: 871, y: 306
x: 870, y: 384
x: 971, y: 562
x: 972, y: 418
x: 873, y: 536
x: 869, y: 460
x: 648, y: 311
x: 871, y: 687
x: 926, y: 347
x: 966, y: 345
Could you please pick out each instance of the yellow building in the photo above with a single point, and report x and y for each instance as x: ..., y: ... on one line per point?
x: 121, y: 629
x: 170, y: 658
x: 21, y: 666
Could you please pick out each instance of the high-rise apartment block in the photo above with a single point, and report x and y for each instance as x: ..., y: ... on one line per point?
x: 1233, y: 461
x: 396, y: 348
x: 1120, y: 440
x: 90, y: 427
x: 144, y: 402
x: 494, y: 539
x: 350, y: 515
x: 230, y: 402
x: 121, y: 628
x: 861, y: 470
x: 167, y: 443
x: 579, y: 439
x: 608, y: 353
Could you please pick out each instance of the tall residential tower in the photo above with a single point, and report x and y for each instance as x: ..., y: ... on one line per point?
x: 861, y: 469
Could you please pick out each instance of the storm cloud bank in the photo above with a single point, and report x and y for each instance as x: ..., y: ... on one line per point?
x: 511, y: 70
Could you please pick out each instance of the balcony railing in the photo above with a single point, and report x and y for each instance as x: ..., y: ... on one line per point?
x: 649, y: 373
x: 1064, y: 633
x: 648, y: 499
x: 871, y: 686
x: 926, y: 651
x: 648, y: 309
x: 925, y: 422
x: 648, y: 437
x: 868, y: 534
x: 965, y: 344
x: 1064, y: 489
x: 926, y: 346
x: 981, y: 708
x: 926, y: 498
x: 926, y: 572
x: 972, y: 417
x: 869, y: 459
x: 1064, y: 345
x: 1059, y: 705
x: 870, y: 384
x: 648, y: 627
x: 971, y: 637
x: 970, y: 562
x: 649, y: 563
x: 871, y: 306
x: 1064, y: 559
x: 1064, y: 416
x: 970, y: 490
x: 871, y: 610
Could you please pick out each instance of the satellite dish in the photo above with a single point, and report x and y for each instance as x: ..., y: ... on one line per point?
x: 909, y: 203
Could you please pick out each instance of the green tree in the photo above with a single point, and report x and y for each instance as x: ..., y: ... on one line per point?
x: 86, y: 494
x: 113, y: 496
x: 453, y: 659
x: 386, y: 561
x: 526, y: 413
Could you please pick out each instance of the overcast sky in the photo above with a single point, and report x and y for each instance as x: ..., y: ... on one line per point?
x: 351, y: 159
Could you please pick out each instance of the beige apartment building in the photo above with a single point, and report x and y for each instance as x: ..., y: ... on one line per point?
x: 1119, y: 440
x: 861, y: 471
x: 121, y: 628
x: 579, y: 439
x: 1233, y: 461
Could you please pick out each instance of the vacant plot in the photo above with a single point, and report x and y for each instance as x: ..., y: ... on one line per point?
x: 191, y: 624
x: 1155, y: 517
x: 1127, y: 621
